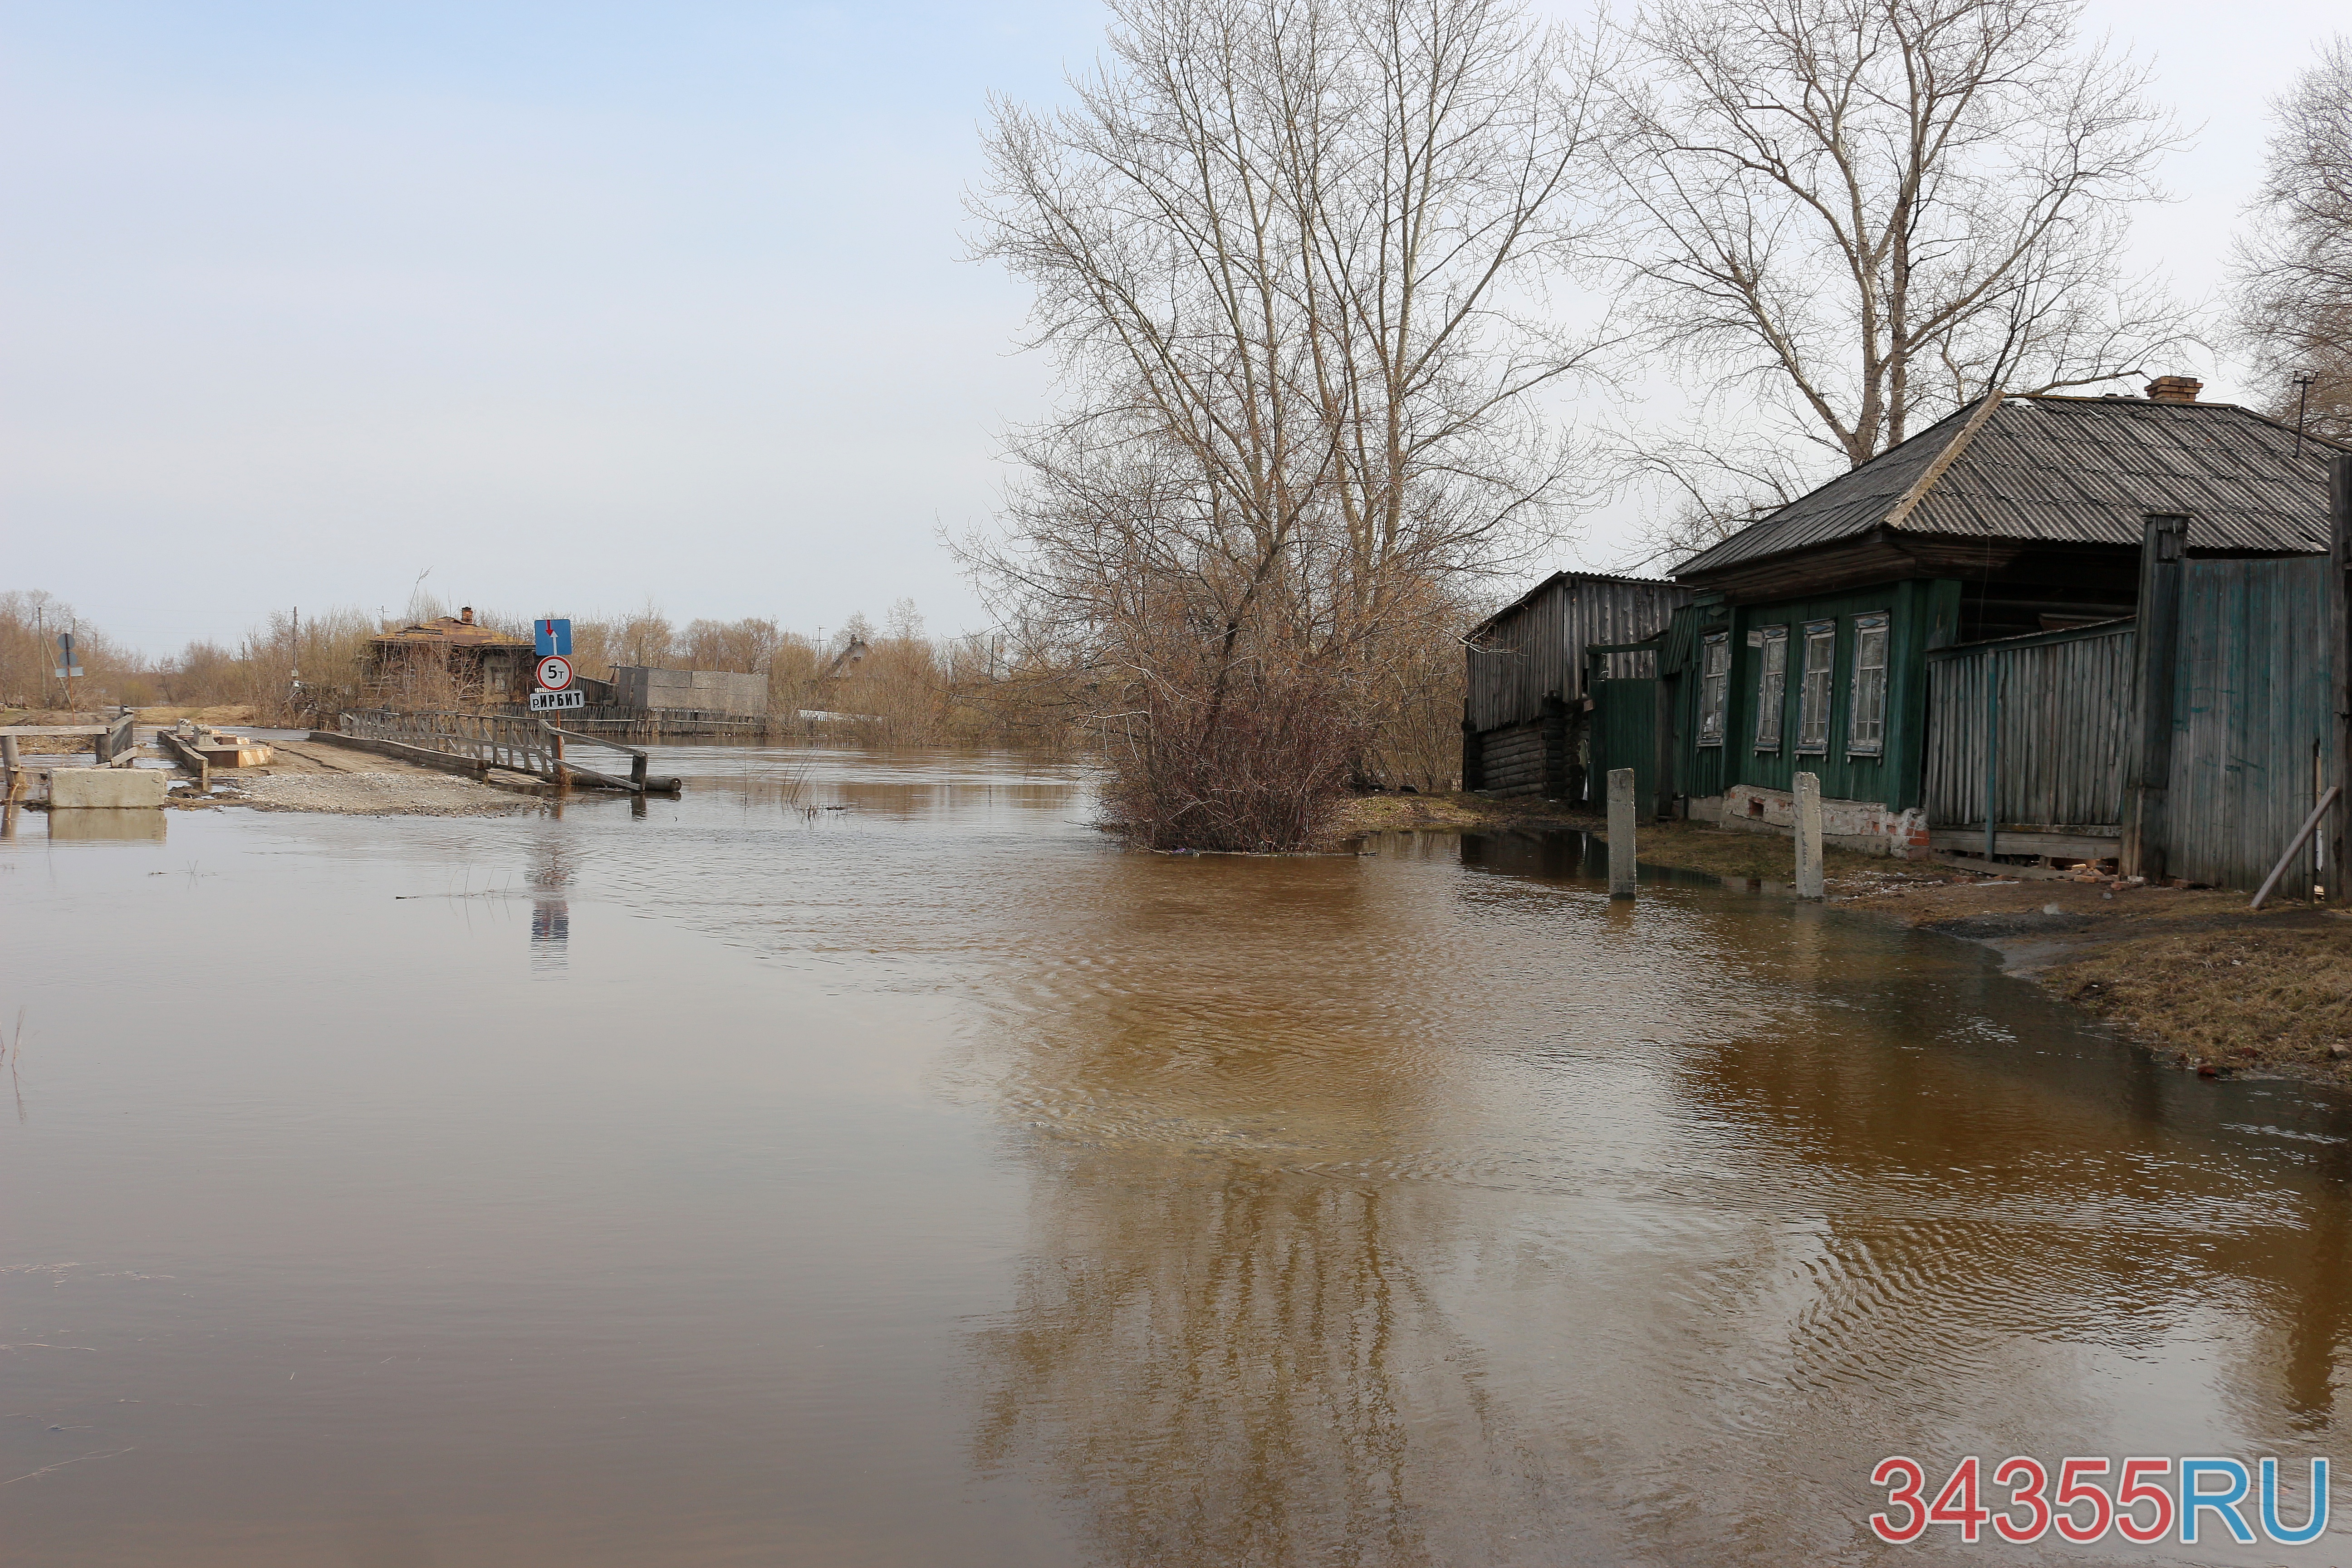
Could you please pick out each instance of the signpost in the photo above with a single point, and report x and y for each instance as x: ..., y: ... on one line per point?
x: 551, y: 679
x: 67, y: 667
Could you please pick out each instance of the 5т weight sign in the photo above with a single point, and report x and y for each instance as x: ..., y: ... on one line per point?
x: 555, y: 676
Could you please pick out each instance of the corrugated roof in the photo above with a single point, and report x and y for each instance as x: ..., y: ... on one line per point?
x: 2081, y: 470
x: 1563, y: 577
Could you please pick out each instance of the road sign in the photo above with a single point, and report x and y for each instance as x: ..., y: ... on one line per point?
x: 542, y: 701
x: 69, y: 671
x: 554, y: 673
x: 65, y: 644
x: 554, y: 635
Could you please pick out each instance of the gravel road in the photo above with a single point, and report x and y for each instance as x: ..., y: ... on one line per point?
x: 373, y: 793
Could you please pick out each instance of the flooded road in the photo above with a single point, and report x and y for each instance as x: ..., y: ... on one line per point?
x: 735, y: 1179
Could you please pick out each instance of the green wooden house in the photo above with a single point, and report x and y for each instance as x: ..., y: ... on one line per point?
x: 1809, y: 640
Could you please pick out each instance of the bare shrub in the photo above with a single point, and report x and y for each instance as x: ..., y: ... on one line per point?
x: 1243, y: 754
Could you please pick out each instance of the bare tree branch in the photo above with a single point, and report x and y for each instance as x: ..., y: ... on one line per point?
x: 1865, y: 213
x: 2293, y: 304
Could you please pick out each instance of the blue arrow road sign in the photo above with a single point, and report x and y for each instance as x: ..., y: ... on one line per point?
x: 552, y: 636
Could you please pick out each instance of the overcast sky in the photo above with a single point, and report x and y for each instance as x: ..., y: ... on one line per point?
x: 581, y: 305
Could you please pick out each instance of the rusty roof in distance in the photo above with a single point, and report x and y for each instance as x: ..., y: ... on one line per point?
x: 450, y: 630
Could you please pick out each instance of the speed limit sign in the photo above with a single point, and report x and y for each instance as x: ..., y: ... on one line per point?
x: 554, y: 673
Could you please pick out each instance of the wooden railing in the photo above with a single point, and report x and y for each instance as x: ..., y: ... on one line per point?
x: 521, y: 744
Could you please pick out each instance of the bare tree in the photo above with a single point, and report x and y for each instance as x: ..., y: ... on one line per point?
x: 1862, y: 212
x: 2294, y: 273
x: 1290, y: 254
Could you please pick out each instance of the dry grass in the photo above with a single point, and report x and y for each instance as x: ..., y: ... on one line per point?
x: 2246, y: 996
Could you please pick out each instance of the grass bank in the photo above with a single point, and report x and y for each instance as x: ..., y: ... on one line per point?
x: 2189, y: 973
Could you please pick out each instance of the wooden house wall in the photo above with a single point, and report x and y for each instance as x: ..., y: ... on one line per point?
x: 1920, y: 613
x: 1537, y: 650
x: 2252, y: 727
x: 2067, y: 706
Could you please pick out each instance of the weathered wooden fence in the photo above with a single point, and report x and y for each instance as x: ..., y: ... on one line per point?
x: 2247, y: 748
x: 2047, y: 724
x: 2254, y: 727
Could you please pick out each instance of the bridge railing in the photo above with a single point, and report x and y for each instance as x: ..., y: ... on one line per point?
x: 499, y: 740
x: 523, y: 744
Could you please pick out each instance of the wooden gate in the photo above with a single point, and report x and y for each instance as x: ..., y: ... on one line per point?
x: 2254, y: 727
x: 1624, y: 731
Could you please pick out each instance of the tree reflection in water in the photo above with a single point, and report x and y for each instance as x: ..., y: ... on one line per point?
x: 1245, y: 1366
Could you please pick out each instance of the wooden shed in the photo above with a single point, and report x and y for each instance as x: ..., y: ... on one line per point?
x: 1523, y: 711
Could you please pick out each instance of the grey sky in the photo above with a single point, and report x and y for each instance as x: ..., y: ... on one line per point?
x: 581, y: 305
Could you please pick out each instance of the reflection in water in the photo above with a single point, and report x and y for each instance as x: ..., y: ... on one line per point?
x: 1011, y: 1198
x: 1387, y: 1218
x: 550, y: 915
x: 82, y: 826
x: 551, y: 934
x: 1230, y: 1364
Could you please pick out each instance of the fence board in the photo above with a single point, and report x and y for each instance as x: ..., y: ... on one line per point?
x: 2065, y: 702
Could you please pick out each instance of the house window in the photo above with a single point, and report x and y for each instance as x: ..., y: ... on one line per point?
x: 1813, y: 697
x: 1771, y: 687
x: 1713, y: 680
x: 1866, y: 721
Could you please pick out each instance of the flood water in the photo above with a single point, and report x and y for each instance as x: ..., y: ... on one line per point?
x: 730, y: 1180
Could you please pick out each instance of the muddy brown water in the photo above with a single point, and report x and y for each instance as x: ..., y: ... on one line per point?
x: 730, y: 1180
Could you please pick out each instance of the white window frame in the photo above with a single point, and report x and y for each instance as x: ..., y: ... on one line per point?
x: 1817, y: 690
x: 1714, y: 686
x: 1771, y: 687
x: 1867, y: 708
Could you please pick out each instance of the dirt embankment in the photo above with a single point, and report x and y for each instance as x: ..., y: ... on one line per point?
x: 2192, y: 975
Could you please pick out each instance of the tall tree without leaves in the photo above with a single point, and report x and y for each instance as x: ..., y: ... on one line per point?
x: 2294, y: 273
x: 1860, y: 214
x: 1288, y: 254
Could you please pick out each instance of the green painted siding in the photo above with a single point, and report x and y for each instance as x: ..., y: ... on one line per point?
x: 1921, y: 613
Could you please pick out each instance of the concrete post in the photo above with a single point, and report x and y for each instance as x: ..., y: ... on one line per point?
x: 1624, y: 881
x: 1809, y: 836
x: 8, y: 760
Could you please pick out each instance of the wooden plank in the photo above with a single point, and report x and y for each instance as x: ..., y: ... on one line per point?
x: 655, y: 785
x: 2065, y: 846
x: 188, y: 757
x: 2163, y: 544
x: 2334, y: 841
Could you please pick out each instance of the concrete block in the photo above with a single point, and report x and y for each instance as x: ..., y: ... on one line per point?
x: 107, y: 789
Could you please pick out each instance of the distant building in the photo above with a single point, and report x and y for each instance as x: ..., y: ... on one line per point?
x: 641, y: 690
x: 450, y: 662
